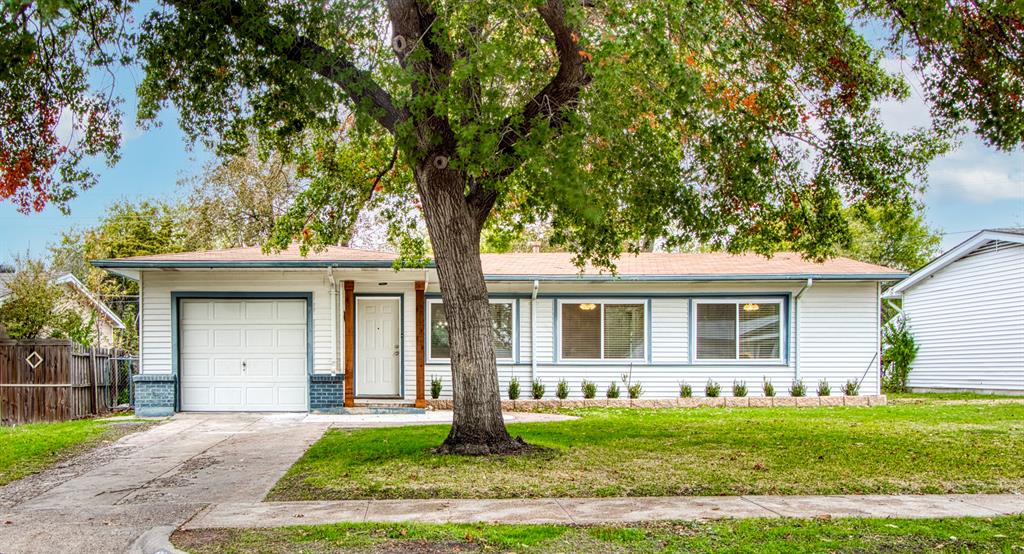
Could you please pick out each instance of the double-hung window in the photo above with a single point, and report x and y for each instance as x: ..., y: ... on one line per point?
x: 738, y: 330
x: 603, y: 330
x: 502, y: 327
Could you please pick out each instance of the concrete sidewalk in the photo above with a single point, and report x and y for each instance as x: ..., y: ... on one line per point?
x: 583, y: 511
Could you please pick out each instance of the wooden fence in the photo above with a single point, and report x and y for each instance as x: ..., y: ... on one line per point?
x: 55, y: 380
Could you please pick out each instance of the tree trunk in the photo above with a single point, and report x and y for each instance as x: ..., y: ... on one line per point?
x: 478, y: 427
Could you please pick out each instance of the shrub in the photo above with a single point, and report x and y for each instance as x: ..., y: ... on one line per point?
x: 613, y: 390
x: 712, y: 389
x: 635, y: 390
x: 72, y: 326
x: 589, y: 389
x: 435, y: 387
x: 851, y: 388
x: 562, y: 392
x: 898, y: 355
x: 33, y: 305
x: 767, y: 387
x: 513, y: 389
x: 823, y: 388
x: 739, y: 388
x: 537, y: 389
x: 685, y: 390
x: 798, y: 388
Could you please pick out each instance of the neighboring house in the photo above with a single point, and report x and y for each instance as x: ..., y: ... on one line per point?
x: 242, y: 330
x: 78, y: 298
x: 966, y: 311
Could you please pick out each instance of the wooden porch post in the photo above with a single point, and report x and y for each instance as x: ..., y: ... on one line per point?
x: 350, y: 342
x: 421, y: 400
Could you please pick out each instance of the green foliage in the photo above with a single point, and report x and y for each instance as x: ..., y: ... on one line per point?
x: 739, y: 388
x: 767, y: 388
x: 435, y: 387
x: 823, y: 388
x: 685, y: 390
x: 898, y: 354
x: 589, y: 389
x: 635, y: 390
x: 34, y: 305
x: 851, y: 388
x: 893, y: 236
x: 537, y: 389
x: 712, y: 389
x: 562, y: 392
x: 513, y: 389
x: 798, y: 388
x: 70, y: 325
x: 613, y: 390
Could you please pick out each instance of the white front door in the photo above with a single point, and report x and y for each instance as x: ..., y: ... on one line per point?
x: 378, y: 347
x: 242, y: 355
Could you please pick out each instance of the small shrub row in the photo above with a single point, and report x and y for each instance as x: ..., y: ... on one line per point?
x: 711, y: 389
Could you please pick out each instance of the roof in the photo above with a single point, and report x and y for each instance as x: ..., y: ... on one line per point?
x: 1013, y: 235
x: 70, y: 280
x: 530, y: 266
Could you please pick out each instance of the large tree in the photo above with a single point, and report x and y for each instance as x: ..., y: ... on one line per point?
x: 744, y: 125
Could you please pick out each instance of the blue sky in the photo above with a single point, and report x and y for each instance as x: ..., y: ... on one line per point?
x: 971, y: 188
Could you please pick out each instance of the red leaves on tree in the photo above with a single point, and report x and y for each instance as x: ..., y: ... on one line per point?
x: 26, y: 171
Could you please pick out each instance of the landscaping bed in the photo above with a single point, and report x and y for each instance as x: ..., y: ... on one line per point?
x: 1002, y: 534
x: 913, y: 449
x: 531, y: 405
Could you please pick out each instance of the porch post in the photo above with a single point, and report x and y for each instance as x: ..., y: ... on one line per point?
x: 421, y: 400
x: 350, y: 342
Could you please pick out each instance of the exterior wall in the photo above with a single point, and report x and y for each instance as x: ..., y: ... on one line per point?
x: 968, y: 320
x: 838, y: 327
x: 839, y: 339
x: 154, y: 395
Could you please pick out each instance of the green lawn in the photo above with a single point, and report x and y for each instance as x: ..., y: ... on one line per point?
x: 950, y: 396
x: 26, y: 449
x: 913, y: 448
x: 1004, y: 534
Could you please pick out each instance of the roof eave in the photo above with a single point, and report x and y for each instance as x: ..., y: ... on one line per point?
x: 706, y: 277
x: 950, y: 256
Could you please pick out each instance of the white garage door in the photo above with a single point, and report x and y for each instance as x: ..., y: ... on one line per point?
x: 242, y: 355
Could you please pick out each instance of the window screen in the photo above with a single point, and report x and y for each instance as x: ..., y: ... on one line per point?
x: 759, y: 331
x: 502, y: 326
x: 739, y: 330
x: 623, y: 331
x: 716, y: 331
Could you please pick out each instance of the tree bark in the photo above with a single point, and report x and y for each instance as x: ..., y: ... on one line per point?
x: 478, y: 427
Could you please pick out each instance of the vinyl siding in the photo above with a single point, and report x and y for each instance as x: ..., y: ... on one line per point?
x: 968, y: 320
x: 838, y: 326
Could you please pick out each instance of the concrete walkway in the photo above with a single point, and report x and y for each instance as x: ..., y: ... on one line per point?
x: 584, y: 511
x: 430, y: 417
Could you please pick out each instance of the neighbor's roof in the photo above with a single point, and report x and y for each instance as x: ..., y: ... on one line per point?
x: 529, y: 266
x: 68, y: 279
x: 1013, y: 235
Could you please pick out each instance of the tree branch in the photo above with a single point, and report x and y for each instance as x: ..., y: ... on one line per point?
x: 561, y: 94
x: 358, y: 84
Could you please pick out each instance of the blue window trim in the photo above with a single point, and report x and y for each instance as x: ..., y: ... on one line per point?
x: 401, y: 341
x: 428, y: 299
x: 648, y: 298
x: 784, y: 325
x: 177, y: 296
x: 601, y: 299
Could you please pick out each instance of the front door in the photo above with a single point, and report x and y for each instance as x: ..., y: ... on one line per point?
x: 378, y: 347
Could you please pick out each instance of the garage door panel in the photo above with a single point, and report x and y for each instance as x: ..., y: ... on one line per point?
x: 217, y: 336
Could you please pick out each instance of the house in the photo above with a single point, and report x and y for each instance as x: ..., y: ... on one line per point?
x: 966, y: 312
x: 243, y: 330
x: 78, y: 298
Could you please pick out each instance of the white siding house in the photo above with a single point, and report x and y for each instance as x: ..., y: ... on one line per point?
x: 222, y: 330
x: 966, y: 312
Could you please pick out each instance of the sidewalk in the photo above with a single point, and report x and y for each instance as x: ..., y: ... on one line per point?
x: 583, y: 511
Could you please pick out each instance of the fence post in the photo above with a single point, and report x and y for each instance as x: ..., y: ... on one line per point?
x: 95, y: 384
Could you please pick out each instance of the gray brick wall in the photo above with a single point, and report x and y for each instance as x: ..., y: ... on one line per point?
x: 326, y: 393
x: 154, y: 395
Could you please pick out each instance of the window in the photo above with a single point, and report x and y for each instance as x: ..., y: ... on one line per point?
x: 603, y: 330
x: 502, y: 326
x: 739, y: 330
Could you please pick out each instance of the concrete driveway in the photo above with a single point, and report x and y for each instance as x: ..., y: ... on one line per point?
x: 105, y: 500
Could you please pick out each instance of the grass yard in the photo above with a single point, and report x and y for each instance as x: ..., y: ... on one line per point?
x: 26, y: 449
x: 913, y: 448
x: 1005, y: 534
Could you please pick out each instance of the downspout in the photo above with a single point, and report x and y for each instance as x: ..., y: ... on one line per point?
x: 533, y: 332
x: 335, y: 352
x: 796, y: 324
